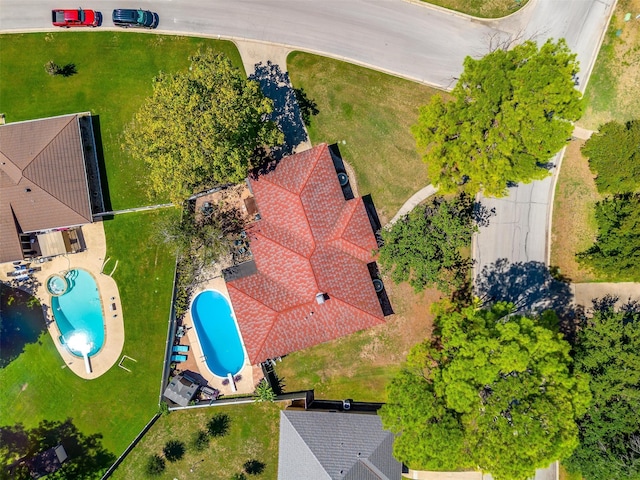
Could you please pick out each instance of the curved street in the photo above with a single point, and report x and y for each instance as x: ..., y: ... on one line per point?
x: 407, y: 39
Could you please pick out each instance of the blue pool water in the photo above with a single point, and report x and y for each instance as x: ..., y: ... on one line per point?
x: 217, y: 333
x: 78, y: 314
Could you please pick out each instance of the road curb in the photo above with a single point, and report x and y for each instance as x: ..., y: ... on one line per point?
x: 466, y: 16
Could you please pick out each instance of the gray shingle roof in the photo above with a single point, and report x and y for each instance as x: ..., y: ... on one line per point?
x: 181, y: 390
x: 43, y: 182
x: 335, y: 446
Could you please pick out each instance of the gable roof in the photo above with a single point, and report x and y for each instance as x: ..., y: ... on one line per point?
x: 309, y: 240
x: 335, y: 445
x: 43, y: 181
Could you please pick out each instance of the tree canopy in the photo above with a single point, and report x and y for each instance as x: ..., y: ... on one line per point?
x: 201, y: 127
x: 425, y: 246
x: 491, y: 390
x: 614, y: 157
x: 616, y: 252
x: 511, y: 112
x: 608, y: 349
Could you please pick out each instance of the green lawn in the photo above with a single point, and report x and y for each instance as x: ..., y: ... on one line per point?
x: 369, y: 114
x: 118, y: 404
x: 253, y: 435
x: 341, y: 368
x: 612, y: 92
x: 481, y: 8
x: 115, y: 73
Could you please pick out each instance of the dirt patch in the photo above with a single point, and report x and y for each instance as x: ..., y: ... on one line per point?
x: 574, y: 227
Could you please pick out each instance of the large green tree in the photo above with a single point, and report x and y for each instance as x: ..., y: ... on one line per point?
x: 614, y: 156
x: 426, y: 246
x: 492, y: 390
x: 201, y: 127
x: 511, y: 112
x: 608, y: 349
x: 616, y: 252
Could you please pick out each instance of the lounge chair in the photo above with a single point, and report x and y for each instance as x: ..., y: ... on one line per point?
x: 178, y: 358
x: 180, y: 348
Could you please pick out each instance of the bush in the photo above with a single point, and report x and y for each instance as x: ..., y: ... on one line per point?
x: 239, y: 476
x: 155, y: 465
x: 52, y: 68
x: 264, y: 392
x: 163, y: 409
x: 174, y: 450
x: 218, y: 426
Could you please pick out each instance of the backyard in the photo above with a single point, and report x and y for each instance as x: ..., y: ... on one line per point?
x: 253, y: 432
x: 37, y: 386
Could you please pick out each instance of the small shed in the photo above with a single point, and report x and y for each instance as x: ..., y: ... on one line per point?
x: 47, y: 462
x: 181, y: 390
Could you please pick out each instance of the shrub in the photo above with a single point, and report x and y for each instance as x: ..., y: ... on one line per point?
x: 239, y: 476
x: 174, y: 450
x: 163, y: 409
x: 264, y: 392
x: 52, y: 68
x: 155, y: 465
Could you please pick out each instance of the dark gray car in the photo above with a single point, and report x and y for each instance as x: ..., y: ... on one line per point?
x: 127, y: 17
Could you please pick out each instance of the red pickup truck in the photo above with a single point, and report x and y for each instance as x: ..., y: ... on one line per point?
x: 76, y: 18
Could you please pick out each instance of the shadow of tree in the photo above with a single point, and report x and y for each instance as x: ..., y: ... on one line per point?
x: 68, y: 70
x: 276, y: 85
x: 531, y: 288
x: 22, y: 322
x: 87, y: 458
x: 308, y: 107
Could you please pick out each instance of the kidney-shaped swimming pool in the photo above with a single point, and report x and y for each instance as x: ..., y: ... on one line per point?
x: 78, y: 314
x: 217, y: 333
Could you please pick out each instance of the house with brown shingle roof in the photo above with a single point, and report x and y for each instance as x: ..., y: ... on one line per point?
x: 43, y: 179
x: 312, y: 249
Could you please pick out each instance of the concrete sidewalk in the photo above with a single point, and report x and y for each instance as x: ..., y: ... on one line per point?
x: 415, y: 200
x: 584, y: 293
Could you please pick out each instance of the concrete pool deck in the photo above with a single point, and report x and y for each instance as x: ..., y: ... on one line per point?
x: 90, y: 259
x: 247, y: 383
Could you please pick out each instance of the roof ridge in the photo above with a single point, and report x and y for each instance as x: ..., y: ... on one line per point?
x: 251, y: 296
x: 266, y: 336
x: 333, y: 297
x: 353, y: 208
x: 42, y: 187
x: 304, y: 442
x: 287, y: 248
x: 72, y: 117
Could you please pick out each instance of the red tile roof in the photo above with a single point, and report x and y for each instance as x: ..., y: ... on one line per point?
x: 309, y: 240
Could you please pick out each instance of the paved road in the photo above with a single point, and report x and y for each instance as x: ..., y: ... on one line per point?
x: 392, y: 35
x: 519, y: 231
